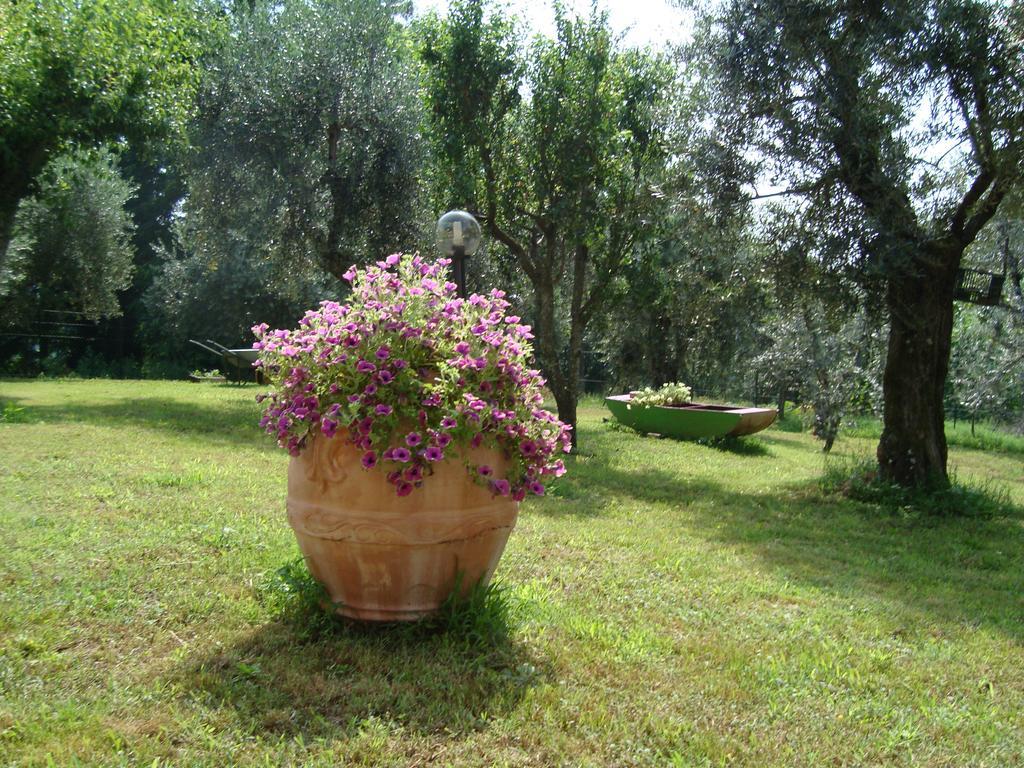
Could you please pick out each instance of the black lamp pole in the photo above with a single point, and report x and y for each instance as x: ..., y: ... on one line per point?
x: 458, y: 237
x: 459, y: 269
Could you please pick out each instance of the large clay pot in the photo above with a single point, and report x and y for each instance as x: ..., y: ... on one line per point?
x: 383, y: 557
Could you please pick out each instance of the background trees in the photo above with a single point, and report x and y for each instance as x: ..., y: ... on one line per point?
x: 71, y: 247
x: 222, y: 163
x: 90, y: 72
x: 829, y: 95
x: 306, y: 142
x: 563, y: 178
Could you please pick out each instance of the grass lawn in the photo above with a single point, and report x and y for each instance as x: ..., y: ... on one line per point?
x: 675, y: 604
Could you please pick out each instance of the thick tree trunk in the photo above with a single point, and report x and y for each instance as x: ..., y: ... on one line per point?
x: 566, y: 401
x: 562, y: 380
x: 912, y: 451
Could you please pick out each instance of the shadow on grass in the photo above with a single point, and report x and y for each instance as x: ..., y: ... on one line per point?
x: 355, y: 678
x: 957, y: 571
x: 741, y: 446
x: 234, y: 422
x: 588, y: 486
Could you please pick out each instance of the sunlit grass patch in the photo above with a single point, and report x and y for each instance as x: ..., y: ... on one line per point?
x: 666, y: 603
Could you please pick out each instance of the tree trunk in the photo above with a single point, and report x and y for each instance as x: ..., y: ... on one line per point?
x: 560, y: 385
x: 8, y: 209
x: 566, y: 401
x: 912, y: 451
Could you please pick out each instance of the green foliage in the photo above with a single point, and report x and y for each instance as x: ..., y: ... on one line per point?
x: 219, y: 290
x: 72, y: 247
x: 668, y: 394
x: 897, y: 129
x: 12, y: 414
x: 987, y: 366
x: 307, y: 145
x: 90, y: 72
x: 859, y: 480
x: 558, y: 152
x: 829, y: 356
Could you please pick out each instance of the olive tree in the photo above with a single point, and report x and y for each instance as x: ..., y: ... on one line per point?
x: 900, y: 125
x: 90, y: 72
x: 557, y: 153
x: 306, y: 141
x: 72, y: 240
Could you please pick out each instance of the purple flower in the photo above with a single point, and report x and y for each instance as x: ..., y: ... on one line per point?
x: 519, y: 494
x: 407, y: 300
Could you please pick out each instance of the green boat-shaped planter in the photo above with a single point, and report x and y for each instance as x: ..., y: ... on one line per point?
x: 690, y: 421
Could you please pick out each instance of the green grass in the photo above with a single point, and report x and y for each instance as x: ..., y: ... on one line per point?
x: 984, y: 437
x: 667, y: 604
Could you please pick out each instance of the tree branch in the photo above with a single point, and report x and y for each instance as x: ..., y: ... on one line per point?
x: 971, y: 197
x: 984, y: 212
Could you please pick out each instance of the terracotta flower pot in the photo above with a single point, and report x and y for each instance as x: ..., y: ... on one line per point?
x: 383, y: 557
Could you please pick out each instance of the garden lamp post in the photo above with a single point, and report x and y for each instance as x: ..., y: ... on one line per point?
x: 458, y: 236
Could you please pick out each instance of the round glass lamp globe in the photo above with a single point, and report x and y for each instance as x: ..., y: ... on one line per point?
x: 458, y: 228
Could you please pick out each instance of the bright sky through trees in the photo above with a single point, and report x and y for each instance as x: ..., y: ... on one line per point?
x: 641, y: 22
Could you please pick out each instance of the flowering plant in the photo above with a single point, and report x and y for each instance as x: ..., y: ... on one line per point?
x: 675, y: 393
x: 412, y: 375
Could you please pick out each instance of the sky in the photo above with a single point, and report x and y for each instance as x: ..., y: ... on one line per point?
x: 643, y: 22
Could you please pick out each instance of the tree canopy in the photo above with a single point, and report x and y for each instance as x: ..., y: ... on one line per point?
x: 91, y: 72
x: 306, y: 144
x: 900, y: 126
x: 563, y: 178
